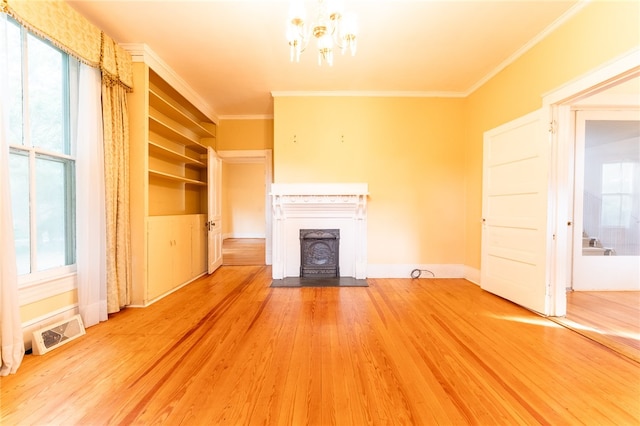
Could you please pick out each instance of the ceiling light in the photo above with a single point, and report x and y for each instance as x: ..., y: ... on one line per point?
x: 331, y: 26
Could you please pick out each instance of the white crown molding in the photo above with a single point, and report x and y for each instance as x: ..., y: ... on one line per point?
x: 615, y: 70
x: 246, y: 117
x: 370, y: 94
x: 244, y: 156
x: 534, y: 41
x: 141, y: 52
x: 418, y: 94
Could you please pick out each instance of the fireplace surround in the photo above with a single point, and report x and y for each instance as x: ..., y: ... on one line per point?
x: 319, y: 206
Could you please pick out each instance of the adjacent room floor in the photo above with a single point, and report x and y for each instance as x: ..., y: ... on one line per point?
x: 243, y: 251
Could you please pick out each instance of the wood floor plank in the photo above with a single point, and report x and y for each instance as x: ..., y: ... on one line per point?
x: 228, y: 349
x: 609, y: 317
x: 243, y: 251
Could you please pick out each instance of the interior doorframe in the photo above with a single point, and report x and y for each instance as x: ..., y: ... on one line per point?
x: 264, y: 156
x: 557, y: 105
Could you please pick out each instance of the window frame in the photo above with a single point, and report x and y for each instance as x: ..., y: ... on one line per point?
x: 54, y: 280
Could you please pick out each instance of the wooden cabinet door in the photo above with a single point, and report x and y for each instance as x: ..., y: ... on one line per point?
x: 160, y: 251
x: 182, y: 250
x: 198, y: 245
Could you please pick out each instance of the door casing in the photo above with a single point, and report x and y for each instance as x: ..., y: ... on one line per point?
x: 557, y: 105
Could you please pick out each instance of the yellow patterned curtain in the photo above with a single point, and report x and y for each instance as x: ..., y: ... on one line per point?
x: 59, y: 23
x: 115, y: 118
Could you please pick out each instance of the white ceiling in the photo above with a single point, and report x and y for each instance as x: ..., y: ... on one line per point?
x: 234, y: 53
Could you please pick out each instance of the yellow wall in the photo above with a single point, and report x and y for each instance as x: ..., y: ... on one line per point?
x: 602, y: 31
x: 243, y: 195
x: 46, y: 306
x: 243, y: 209
x: 409, y: 151
x: 247, y: 134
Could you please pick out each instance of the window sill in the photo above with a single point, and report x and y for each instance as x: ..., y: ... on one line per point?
x: 34, y: 291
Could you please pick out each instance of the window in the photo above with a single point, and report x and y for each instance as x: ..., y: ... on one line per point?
x: 617, y: 194
x: 42, y: 80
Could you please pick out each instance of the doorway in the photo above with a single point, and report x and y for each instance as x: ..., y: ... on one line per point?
x: 587, y: 298
x: 246, y: 207
x: 606, y: 230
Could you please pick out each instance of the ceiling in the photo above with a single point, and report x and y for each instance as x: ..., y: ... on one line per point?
x: 234, y: 53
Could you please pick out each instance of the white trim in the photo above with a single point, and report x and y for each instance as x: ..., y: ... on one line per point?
x: 44, y: 289
x: 162, y: 296
x: 245, y: 235
x: 472, y: 274
x: 369, y: 94
x: 418, y: 94
x: 530, y: 44
x: 141, y: 52
x: 299, y: 206
x: 246, y: 117
x: 243, y: 156
x: 380, y: 270
x: 304, y: 189
x: 607, y: 74
x: 558, y: 104
x: 258, y: 156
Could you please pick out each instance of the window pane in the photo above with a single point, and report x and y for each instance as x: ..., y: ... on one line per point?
x: 52, y: 212
x: 611, y: 210
x: 14, y: 88
x: 628, y: 174
x: 625, y: 210
x: 19, y: 169
x: 611, y: 178
x: 46, y: 96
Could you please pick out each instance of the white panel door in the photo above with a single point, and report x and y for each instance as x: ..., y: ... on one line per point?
x: 214, y: 211
x: 606, y: 245
x: 514, y: 210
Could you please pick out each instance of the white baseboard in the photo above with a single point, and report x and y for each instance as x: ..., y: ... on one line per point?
x: 472, y: 274
x: 243, y: 235
x: 404, y: 270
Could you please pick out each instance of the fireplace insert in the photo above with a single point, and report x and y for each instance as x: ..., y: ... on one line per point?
x: 319, y: 253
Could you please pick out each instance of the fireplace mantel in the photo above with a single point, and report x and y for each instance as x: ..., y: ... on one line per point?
x: 319, y: 205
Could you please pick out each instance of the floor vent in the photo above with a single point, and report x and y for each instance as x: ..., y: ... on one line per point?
x: 50, y: 337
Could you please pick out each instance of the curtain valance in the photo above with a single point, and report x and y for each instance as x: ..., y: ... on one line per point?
x: 58, y: 22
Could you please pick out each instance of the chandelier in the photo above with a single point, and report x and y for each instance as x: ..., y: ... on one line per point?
x: 331, y: 26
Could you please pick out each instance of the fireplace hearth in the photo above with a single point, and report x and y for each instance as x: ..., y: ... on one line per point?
x: 319, y: 253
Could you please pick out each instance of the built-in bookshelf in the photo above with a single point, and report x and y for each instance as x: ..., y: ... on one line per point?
x: 169, y: 137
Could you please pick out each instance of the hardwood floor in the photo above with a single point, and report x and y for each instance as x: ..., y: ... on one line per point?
x: 609, y: 317
x: 230, y: 350
x: 243, y: 251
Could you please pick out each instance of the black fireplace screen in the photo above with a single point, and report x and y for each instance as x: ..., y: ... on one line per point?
x: 319, y: 253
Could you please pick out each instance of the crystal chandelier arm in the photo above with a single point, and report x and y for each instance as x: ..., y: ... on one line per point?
x: 331, y: 26
x: 346, y: 37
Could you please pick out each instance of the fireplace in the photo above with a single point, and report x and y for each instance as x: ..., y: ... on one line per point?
x: 320, y: 206
x: 319, y: 253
